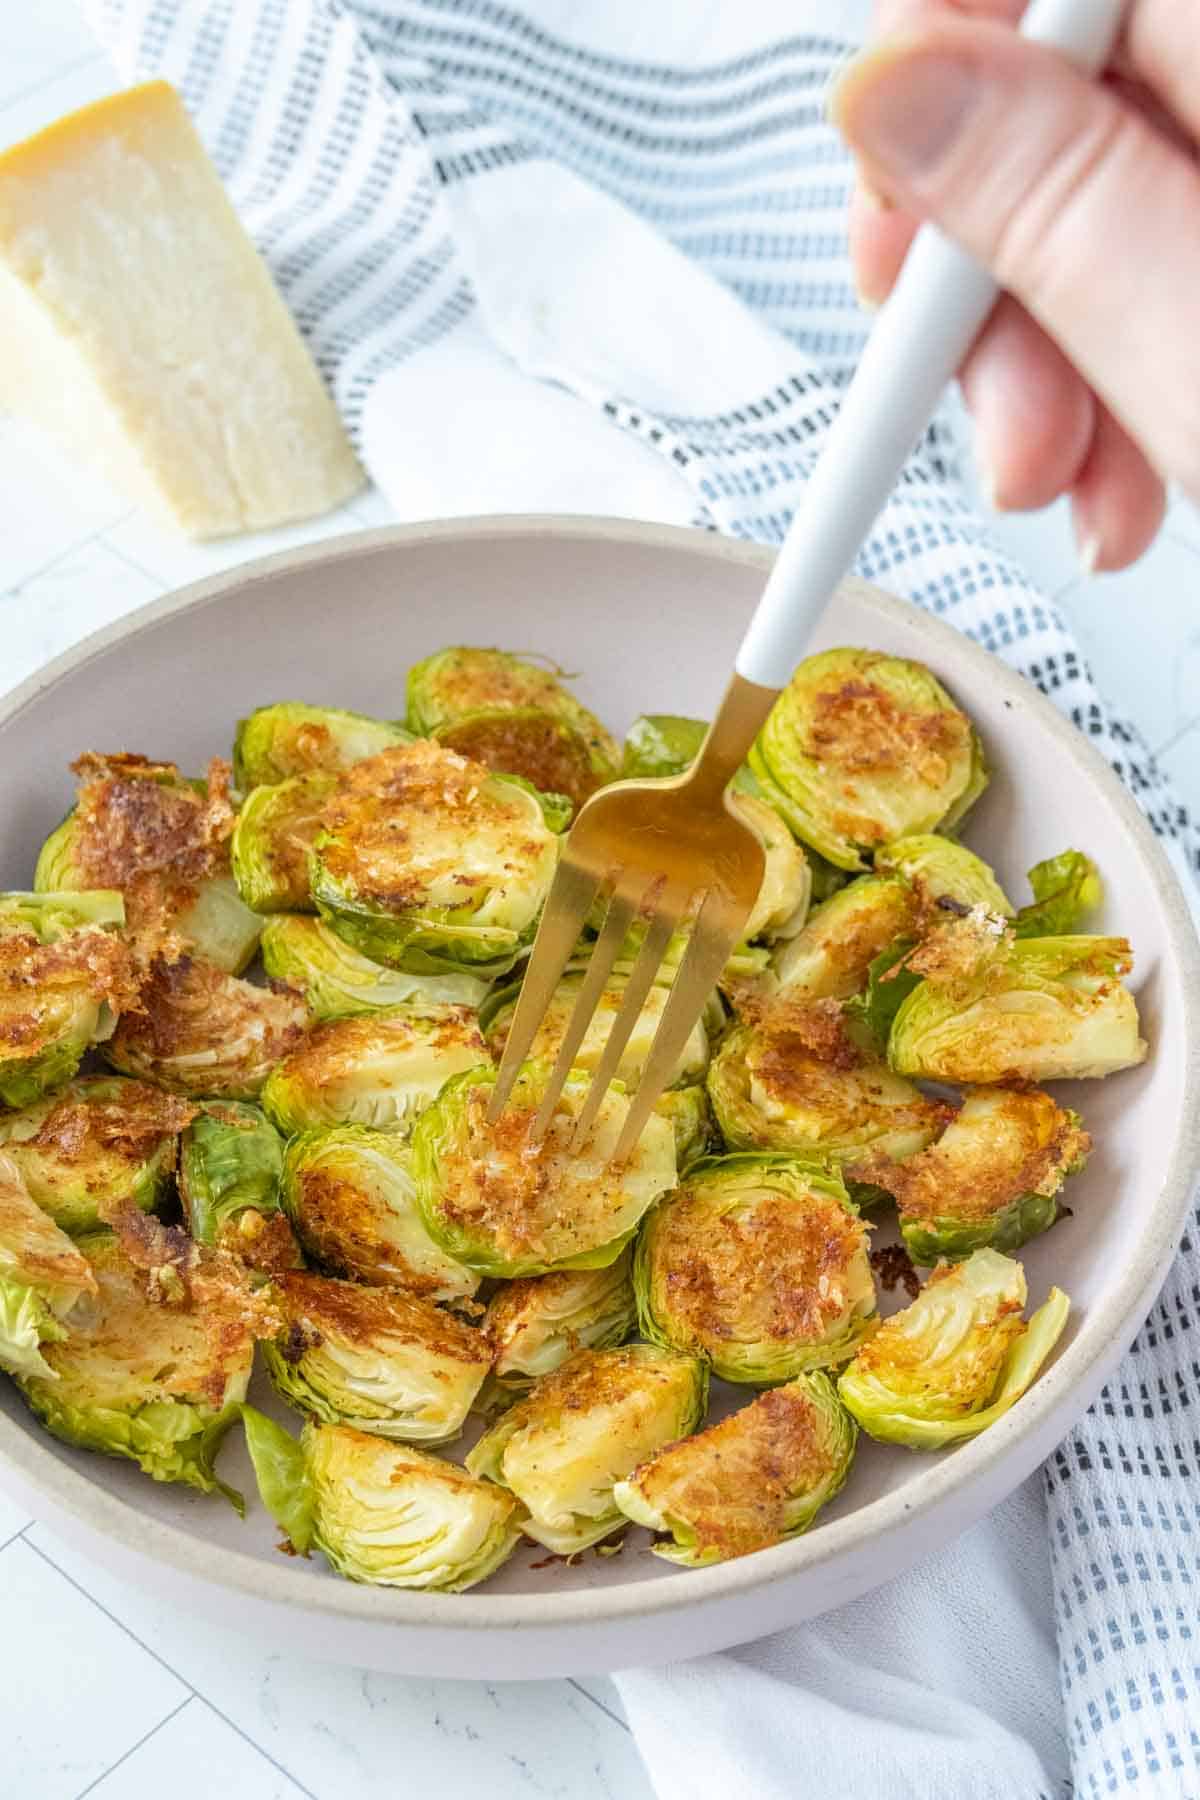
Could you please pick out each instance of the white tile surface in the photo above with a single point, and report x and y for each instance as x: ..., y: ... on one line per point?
x: 194, y: 1756
x: 105, y: 1690
x: 77, y: 1691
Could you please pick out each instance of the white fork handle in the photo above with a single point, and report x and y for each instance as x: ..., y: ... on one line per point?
x: 940, y: 301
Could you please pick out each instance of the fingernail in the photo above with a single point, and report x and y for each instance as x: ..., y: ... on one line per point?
x: 901, y: 108
x: 1090, y: 550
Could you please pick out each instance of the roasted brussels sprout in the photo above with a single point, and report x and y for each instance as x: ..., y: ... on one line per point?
x: 375, y: 1358
x: 796, y: 1081
x: 430, y: 863
x: 831, y: 957
x: 381, y: 1512
x: 199, y: 1031
x: 689, y: 1115
x: 661, y: 744
x: 783, y: 899
x: 496, y: 1016
x: 230, y: 1167
x: 993, y: 1009
x: 349, y: 1193
x: 51, y: 916
x: 135, y: 1377
x: 1066, y: 888
x: 61, y: 989
x: 944, y: 875
x: 752, y: 1480
x: 950, y: 1364
x: 271, y: 840
x: 504, y: 1211
x: 42, y: 1276
x: 759, y: 1265
x: 993, y: 1178
x: 96, y: 1142
x: 337, y: 982
x: 513, y: 717
x: 863, y: 748
x: 534, y: 1325
x: 290, y: 738
x: 163, y: 842
x: 584, y: 1427
x: 382, y: 1069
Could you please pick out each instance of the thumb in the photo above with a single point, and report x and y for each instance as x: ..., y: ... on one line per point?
x: 1076, y: 203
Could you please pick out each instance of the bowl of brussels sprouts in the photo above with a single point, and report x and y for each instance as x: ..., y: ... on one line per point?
x: 272, y: 854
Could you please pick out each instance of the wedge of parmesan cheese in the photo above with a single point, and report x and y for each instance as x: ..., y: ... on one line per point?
x: 139, y: 324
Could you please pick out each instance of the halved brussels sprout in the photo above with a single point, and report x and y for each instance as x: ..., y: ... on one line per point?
x: 382, y: 1069
x: 534, y: 1325
x: 96, y: 1142
x: 992, y: 1009
x: 349, y: 1193
x: 583, y: 1428
x: 507, y: 1210
x: 690, y: 1117
x: 1066, y: 888
x: 42, y: 1277
x: 430, y: 863
x: 52, y: 916
x: 138, y: 1378
x: 759, y: 1265
x: 514, y: 717
x: 954, y: 1361
x: 163, y: 842
x: 754, y: 1479
x: 202, y: 1032
x: 496, y: 1016
x: 993, y: 1178
x: 377, y: 1359
x: 831, y: 957
x: 337, y: 982
x: 291, y: 738
x: 230, y: 1167
x: 795, y: 1081
x: 862, y: 748
x: 381, y: 1512
x: 783, y: 899
x: 271, y: 840
x: 661, y: 744
x: 57, y: 997
x: 944, y: 875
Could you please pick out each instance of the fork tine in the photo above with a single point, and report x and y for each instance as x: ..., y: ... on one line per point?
x: 621, y: 910
x: 571, y: 894
x: 698, y: 973
x: 641, y: 979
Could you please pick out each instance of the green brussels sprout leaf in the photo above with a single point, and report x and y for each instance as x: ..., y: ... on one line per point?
x: 282, y: 1476
x: 1066, y: 888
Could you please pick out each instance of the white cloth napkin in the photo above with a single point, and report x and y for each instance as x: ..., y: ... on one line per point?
x: 588, y: 255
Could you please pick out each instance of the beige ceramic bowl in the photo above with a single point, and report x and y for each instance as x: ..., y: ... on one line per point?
x: 651, y: 617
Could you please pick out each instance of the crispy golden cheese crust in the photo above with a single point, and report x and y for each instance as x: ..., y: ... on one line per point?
x: 315, y: 1307
x: 894, y: 1357
x: 169, y: 1313
x: 1023, y: 1147
x: 139, y: 828
x: 395, y: 804
x: 775, y: 1268
x: 857, y: 729
x: 45, y: 1256
x: 590, y: 1380
x: 334, y: 1050
x: 732, y: 1483
x: 541, y: 749
x: 31, y: 973
x: 187, y: 1003
x: 849, y: 944
x: 522, y: 1197
x: 131, y: 1126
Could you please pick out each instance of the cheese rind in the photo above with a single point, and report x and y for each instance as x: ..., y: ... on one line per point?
x: 140, y: 325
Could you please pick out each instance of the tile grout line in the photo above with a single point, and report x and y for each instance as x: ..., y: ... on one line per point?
x: 130, y: 563
x: 18, y: 587
x: 1178, y: 735
x: 161, y: 1660
x: 144, y: 1739
x: 18, y: 1533
x: 606, y: 1710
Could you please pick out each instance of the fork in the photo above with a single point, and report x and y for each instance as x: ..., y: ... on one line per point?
x: 666, y: 851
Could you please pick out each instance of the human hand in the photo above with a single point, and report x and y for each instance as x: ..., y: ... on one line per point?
x: 1083, y: 198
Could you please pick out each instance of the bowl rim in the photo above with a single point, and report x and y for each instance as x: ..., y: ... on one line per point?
x: 192, y: 1554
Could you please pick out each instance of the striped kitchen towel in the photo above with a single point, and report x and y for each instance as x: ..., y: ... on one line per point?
x: 617, y: 230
